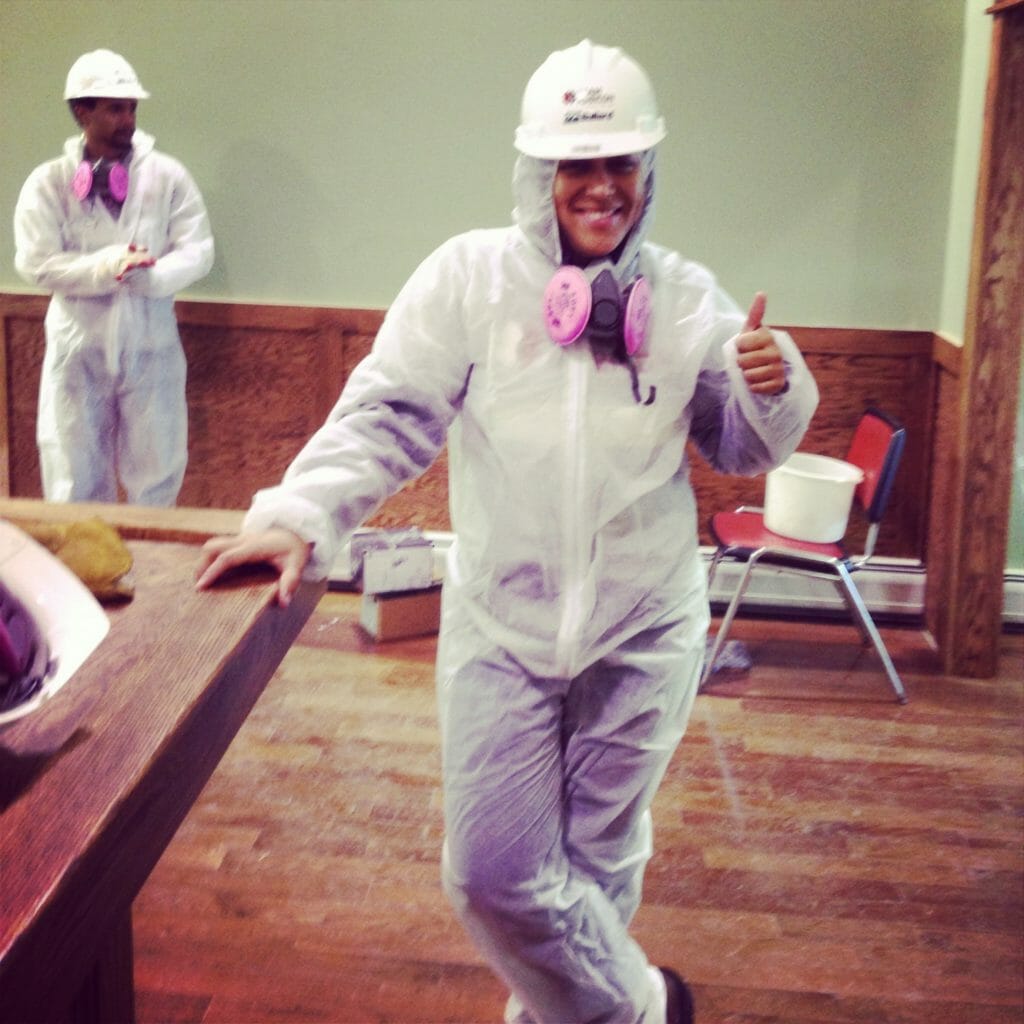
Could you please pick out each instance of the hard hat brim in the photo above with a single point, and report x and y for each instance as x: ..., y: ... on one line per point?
x: 585, y: 146
x: 109, y: 93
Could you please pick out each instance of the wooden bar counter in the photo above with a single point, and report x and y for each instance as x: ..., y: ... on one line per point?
x: 94, y: 784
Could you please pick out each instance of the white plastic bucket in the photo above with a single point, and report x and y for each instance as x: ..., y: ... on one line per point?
x: 809, y: 497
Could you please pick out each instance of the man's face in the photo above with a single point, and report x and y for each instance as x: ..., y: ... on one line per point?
x: 108, y: 127
x: 597, y: 202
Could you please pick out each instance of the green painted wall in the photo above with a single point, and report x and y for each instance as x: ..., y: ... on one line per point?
x: 823, y: 150
x: 966, y: 153
x: 338, y: 141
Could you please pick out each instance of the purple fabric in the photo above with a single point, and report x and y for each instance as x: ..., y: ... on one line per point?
x: 24, y: 656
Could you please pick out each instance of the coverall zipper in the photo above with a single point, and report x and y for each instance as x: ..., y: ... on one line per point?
x: 574, y: 558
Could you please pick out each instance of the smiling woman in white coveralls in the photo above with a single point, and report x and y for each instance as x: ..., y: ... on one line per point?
x: 113, y: 228
x: 575, y: 606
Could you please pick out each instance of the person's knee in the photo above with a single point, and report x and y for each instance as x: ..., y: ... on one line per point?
x: 492, y: 886
x: 476, y: 883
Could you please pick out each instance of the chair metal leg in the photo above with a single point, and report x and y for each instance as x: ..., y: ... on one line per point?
x: 713, y: 568
x: 723, y: 629
x: 867, y: 624
x: 844, y: 592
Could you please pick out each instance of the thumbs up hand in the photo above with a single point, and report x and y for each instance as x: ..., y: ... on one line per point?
x: 759, y: 357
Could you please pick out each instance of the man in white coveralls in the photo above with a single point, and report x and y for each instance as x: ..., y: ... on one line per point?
x: 113, y: 229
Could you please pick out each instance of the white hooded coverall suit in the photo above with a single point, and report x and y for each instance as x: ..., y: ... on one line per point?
x: 575, y: 607
x: 112, y: 391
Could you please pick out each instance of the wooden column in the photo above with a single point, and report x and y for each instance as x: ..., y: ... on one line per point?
x: 991, y: 366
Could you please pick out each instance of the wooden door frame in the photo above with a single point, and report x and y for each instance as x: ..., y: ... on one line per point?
x: 985, y: 433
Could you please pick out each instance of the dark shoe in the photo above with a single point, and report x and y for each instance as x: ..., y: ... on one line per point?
x: 679, y: 1001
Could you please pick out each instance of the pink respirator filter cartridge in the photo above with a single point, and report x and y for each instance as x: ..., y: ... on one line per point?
x: 638, y: 316
x: 567, y: 301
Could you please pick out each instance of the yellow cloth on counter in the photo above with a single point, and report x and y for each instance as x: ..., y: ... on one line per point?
x: 92, y: 549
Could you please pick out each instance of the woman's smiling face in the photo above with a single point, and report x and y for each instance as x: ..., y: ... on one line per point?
x: 597, y: 202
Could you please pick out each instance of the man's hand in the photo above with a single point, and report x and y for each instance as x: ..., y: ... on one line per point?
x: 136, y: 257
x: 759, y: 357
x: 280, y: 548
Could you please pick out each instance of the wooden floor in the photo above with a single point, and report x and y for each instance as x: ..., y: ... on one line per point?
x: 822, y: 854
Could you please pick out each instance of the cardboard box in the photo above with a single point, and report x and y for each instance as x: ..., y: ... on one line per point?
x: 398, y: 569
x: 397, y: 616
x: 386, y: 561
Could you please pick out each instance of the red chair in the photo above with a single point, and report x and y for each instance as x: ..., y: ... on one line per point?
x: 876, y: 448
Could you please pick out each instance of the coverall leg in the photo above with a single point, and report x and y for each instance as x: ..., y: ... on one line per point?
x: 94, y: 427
x: 77, y: 426
x: 548, y: 785
x: 153, y: 443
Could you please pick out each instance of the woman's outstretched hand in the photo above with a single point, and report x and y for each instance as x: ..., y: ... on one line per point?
x: 280, y: 548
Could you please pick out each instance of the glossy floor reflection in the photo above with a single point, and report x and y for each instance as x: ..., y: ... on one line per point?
x: 822, y: 853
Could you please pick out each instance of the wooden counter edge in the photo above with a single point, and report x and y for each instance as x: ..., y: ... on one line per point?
x: 91, y: 907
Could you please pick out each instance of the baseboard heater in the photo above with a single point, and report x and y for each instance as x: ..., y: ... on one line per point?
x: 893, y: 590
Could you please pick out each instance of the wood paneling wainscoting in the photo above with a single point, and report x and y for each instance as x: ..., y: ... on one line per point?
x: 262, y: 378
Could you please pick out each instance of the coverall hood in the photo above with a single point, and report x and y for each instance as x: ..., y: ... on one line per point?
x: 532, y: 183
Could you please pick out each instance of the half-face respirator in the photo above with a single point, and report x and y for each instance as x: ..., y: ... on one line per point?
x: 100, y: 177
x: 617, y: 321
x: 572, y: 305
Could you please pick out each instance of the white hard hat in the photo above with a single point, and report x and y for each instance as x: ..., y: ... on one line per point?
x: 103, y: 73
x: 588, y: 101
